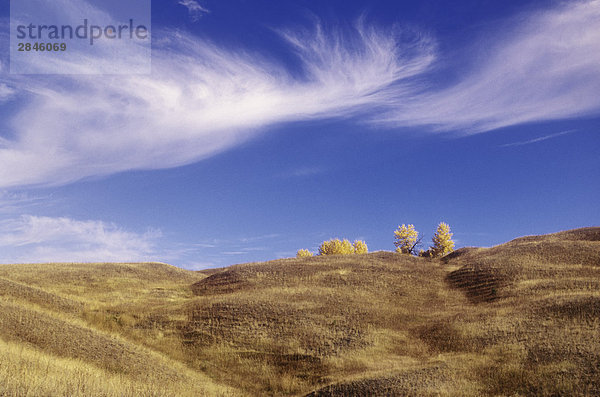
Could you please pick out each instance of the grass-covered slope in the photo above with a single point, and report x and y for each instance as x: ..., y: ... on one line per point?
x: 70, y: 329
x: 522, y: 318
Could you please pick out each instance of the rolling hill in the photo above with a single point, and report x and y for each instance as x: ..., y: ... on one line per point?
x: 521, y: 318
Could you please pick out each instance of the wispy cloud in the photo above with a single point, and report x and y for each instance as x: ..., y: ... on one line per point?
x: 539, y: 139
x: 5, y: 92
x: 541, y: 66
x: 28, y: 239
x: 302, y: 172
x: 216, y: 252
x: 264, y: 237
x: 15, y: 202
x: 195, y: 9
x: 202, y: 99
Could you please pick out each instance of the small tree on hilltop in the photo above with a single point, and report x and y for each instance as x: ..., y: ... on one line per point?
x: 303, y: 253
x: 442, y: 241
x: 406, y: 239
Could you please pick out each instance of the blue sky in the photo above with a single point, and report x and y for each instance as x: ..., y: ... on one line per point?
x: 266, y: 127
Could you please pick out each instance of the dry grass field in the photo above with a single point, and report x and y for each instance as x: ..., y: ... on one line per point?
x: 521, y: 318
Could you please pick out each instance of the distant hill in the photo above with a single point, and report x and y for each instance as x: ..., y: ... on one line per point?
x: 521, y: 318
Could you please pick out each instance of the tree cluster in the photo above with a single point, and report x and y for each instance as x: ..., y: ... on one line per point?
x: 337, y: 247
x: 406, y: 240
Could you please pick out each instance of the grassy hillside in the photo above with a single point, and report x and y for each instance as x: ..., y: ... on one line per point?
x: 521, y: 318
x: 76, y: 329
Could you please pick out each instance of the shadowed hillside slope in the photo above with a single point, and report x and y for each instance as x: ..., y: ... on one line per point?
x: 521, y: 318
x: 566, y: 261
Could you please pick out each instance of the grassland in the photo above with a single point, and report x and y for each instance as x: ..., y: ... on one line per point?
x: 521, y: 318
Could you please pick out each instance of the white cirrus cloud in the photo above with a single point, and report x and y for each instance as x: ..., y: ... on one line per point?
x: 539, y: 139
x: 202, y: 99
x: 12, y: 202
x: 541, y: 66
x: 194, y: 8
x: 199, y: 100
x: 32, y: 239
x: 5, y: 92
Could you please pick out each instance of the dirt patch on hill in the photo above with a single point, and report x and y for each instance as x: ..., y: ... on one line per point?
x: 221, y: 283
x: 479, y: 282
x: 416, y: 382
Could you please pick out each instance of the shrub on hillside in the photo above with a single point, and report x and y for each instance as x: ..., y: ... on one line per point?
x: 342, y: 247
x: 442, y: 241
x: 303, y: 253
x: 360, y: 247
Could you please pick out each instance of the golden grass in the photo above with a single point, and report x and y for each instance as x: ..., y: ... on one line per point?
x: 81, y: 319
x: 522, y: 318
x: 26, y: 371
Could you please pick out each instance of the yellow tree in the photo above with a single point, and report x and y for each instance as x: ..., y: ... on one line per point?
x: 336, y: 247
x: 342, y: 247
x: 442, y: 241
x: 406, y: 239
x: 360, y: 247
x: 303, y: 253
